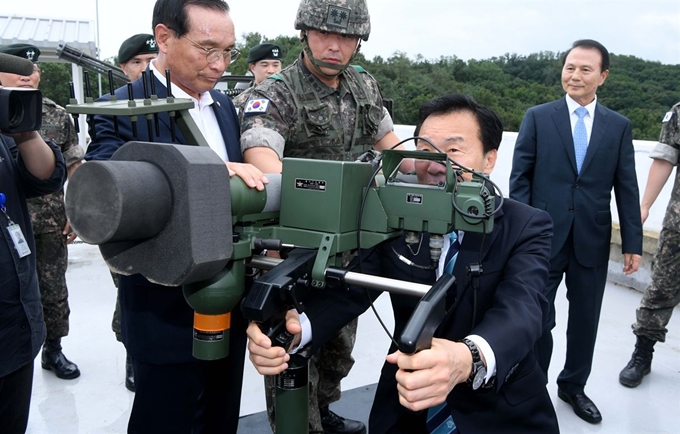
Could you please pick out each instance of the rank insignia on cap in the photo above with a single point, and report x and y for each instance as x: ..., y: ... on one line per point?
x: 338, y: 17
x: 668, y: 116
x: 256, y: 106
x: 151, y: 43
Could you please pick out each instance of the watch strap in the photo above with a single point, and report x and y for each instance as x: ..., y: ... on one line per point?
x: 477, y: 365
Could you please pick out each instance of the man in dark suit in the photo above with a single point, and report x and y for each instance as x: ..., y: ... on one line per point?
x: 568, y: 156
x: 174, y: 391
x: 493, y: 321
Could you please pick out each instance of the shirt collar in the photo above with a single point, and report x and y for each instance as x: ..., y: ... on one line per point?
x: 177, y: 92
x: 573, y: 105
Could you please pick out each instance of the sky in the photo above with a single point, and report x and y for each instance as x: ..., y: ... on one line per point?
x: 470, y: 29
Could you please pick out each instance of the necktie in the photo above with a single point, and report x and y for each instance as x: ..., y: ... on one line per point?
x: 580, y: 138
x: 439, y: 420
x: 452, y: 254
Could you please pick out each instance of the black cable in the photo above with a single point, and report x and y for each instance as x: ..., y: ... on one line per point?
x: 409, y: 262
x: 475, y: 281
x: 488, y: 213
x: 359, y: 254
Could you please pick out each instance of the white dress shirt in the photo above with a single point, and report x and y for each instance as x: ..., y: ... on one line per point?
x: 202, y: 113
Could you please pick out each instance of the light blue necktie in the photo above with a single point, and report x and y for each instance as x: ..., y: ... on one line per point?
x: 580, y: 138
x: 439, y: 420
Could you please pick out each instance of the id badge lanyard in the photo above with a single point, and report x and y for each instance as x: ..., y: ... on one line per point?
x: 20, y: 243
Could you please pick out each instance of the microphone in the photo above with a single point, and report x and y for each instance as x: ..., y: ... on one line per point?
x: 15, y: 65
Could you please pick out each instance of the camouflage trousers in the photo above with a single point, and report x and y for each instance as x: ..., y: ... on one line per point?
x: 51, y: 255
x: 663, y: 293
x: 326, y: 369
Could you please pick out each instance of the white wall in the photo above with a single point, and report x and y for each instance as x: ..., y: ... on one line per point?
x: 501, y: 173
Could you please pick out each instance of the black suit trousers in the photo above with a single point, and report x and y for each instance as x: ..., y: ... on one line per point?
x: 15, y: 399
x: 585, y: 291
x: 200, y: 397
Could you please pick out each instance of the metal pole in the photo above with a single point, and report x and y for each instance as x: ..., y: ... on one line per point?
x: 351, y: 278
x: 99, y: 76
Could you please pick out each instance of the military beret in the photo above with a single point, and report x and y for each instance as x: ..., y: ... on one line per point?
x: 27, y: 51
x: 137, y: 44
x: 264, y: 51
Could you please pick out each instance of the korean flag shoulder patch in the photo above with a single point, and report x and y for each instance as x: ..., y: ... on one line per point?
x: 668, y: 116
x: 256, y: 106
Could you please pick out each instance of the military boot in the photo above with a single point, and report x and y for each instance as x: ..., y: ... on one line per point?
x: 54, y: 360
x: 334, y: 424
x: 129, y: 374
x: 640, y: 363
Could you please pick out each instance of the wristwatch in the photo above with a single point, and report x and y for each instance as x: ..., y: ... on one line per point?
x: 478, y: 373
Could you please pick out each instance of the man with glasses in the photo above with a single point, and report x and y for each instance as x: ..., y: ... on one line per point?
x: 51, y: 229
x: 174, y: 391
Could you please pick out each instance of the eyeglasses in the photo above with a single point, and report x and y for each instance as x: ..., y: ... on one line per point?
x: 212, y: 55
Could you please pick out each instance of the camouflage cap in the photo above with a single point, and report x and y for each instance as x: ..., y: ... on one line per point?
x: 27, y: 51
x: 264, y: 51
x: 346, y: 17
x: 142, y: 43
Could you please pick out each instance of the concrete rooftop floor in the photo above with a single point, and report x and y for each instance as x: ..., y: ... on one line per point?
x: 98, y: 402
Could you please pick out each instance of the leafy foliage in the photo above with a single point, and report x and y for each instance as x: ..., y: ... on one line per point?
x: 638, y: 89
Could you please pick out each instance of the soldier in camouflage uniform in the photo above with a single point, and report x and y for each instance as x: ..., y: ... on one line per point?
x: 263, y: 60
x: 321, y: 108
x: 663, y: 293
x: 51, y: 230
x: 135, y: 54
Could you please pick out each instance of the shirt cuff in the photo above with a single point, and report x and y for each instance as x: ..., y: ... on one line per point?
x: 489, y: 355
x: 305, y: 335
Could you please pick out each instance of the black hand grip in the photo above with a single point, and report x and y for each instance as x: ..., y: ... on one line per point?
x: 427, y: 316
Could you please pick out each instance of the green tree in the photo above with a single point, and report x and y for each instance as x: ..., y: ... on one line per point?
x: 638, y: 89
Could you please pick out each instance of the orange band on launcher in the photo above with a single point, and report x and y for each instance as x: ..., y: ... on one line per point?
x: 212, y: 323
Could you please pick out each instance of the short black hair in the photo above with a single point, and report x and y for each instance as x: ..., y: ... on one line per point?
x: 490, y: 125
x: 173, y: 13
x: 592, y: 44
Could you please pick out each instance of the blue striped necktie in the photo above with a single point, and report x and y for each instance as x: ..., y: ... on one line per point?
x: 439, y: 420
x: 452, y: 254
x: 580, y: 138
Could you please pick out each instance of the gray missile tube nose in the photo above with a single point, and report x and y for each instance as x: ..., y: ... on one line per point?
x: 118, y: 201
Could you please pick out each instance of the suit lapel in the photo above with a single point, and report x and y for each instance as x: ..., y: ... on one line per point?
x: 220, y: 115
x: 563, y: 124
x: 596, y: 135
x: 471, y: 253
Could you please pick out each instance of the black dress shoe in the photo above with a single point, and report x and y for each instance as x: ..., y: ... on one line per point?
x: 57, y: 362
x: 334, y: 424
x: 129, y: 374
x: 583, y: 406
